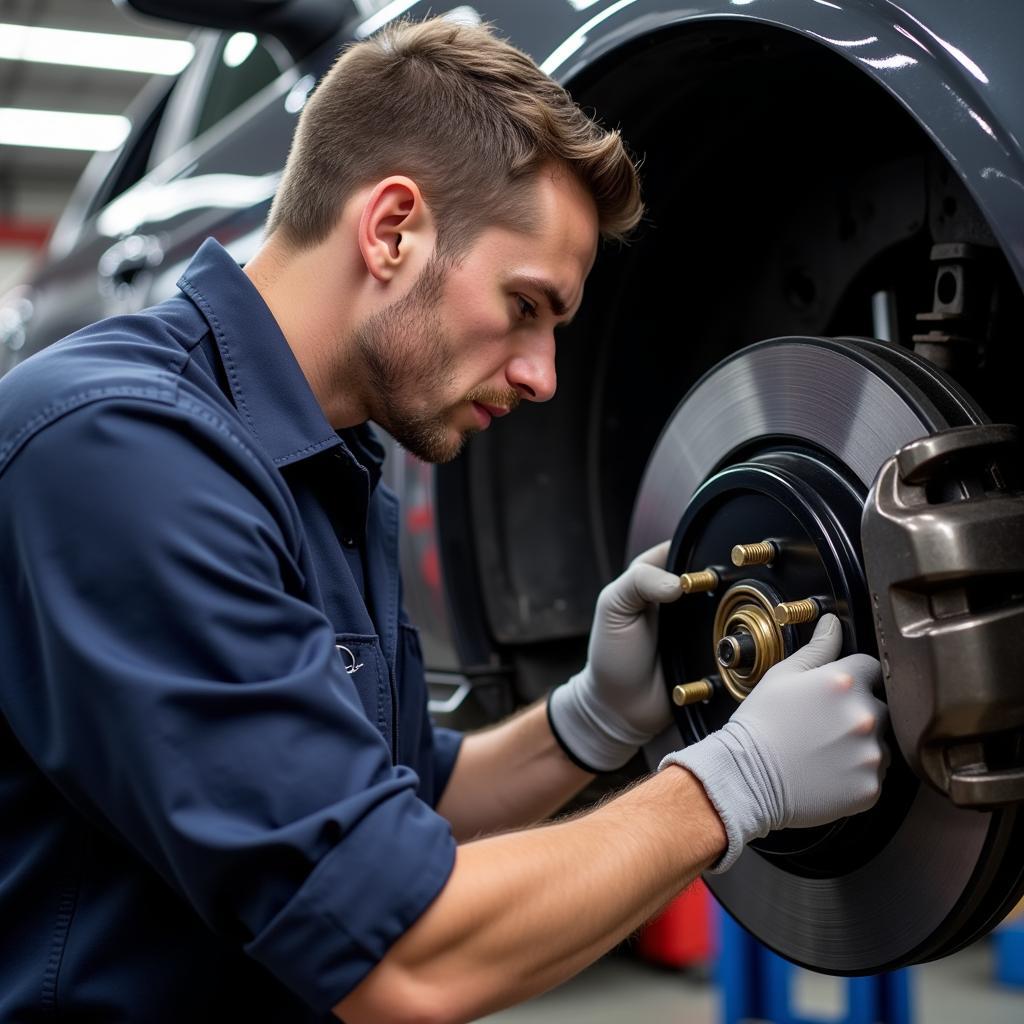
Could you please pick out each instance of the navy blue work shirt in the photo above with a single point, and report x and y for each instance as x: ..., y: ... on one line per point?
x: 217, y: 776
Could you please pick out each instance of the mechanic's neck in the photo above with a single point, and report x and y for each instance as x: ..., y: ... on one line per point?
x: 304, y: 290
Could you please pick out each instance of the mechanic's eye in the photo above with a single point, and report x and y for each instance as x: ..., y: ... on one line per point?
x: 526, y: 308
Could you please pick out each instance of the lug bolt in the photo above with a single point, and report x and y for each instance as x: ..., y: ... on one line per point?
x: 692, y: 693
x: 698, y: 582
x: 792, y: 613
x: 762, y: 553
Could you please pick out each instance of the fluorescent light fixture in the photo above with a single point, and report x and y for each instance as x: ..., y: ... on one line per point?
x: 94, y: 49
x: 238, y: 48
x: 58, y: 129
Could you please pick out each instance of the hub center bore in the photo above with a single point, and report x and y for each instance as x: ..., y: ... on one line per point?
x: 747, y: 639
x: 737, y: 650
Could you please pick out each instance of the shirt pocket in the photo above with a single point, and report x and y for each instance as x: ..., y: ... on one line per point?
x: 363, y: 662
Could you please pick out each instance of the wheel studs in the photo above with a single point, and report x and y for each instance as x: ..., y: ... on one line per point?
x: 793, y: 613
x: 692, y: 693
x: 698, y: 582
x: 762, y: 553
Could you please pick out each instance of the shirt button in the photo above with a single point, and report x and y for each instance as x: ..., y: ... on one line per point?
x: 349, y: 542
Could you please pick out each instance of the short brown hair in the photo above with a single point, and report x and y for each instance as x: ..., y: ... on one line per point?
x: 466, y: 115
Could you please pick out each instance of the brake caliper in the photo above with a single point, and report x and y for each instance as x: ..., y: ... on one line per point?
x: 943, y: 541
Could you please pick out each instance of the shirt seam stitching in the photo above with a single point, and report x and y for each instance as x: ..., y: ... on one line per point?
x: 310, y: 448
x: 190, y: 289
x: 221, y: 425
x: 66, y: 907
x: 200, y: 300
x: 55, y: 410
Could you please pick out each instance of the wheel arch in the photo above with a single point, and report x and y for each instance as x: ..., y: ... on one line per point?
x: 975, y: 126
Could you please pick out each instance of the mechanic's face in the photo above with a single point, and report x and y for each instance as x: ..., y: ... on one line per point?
x: 471, y: 341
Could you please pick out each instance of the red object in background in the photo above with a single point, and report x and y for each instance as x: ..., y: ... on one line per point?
x: 682, y: 934
x: 430, y: 567
x: 27, y: 233
x: 419, y: 518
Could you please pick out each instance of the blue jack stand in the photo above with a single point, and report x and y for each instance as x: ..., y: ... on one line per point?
x: 756, y: 985
x: 1009, y: 948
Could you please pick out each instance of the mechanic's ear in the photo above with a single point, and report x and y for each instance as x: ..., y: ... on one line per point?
x: 395, y: 227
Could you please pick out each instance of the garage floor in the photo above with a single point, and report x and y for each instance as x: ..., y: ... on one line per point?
x: 618, y: 989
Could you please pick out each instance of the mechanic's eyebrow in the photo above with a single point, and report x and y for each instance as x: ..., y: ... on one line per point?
x: 554, y: 299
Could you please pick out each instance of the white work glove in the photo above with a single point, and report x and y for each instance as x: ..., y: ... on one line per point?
x: 805, y: 748
x: 618, y: 701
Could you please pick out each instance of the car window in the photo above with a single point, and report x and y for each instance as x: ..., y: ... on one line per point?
x: 241, y: 66
x: 227, y: 69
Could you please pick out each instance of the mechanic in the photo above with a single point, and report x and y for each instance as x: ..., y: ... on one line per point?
x: 222, y: 798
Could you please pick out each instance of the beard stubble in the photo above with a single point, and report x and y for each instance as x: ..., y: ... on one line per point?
x: 410, y: 364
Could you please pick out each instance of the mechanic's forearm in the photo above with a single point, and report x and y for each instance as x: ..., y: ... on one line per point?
x: 524, y: 911
x: 512, y: 775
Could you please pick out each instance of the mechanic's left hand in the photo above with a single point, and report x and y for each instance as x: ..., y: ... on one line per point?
x: 618, y: 702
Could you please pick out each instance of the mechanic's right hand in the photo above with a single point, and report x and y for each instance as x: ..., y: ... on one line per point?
x: 805, y: 748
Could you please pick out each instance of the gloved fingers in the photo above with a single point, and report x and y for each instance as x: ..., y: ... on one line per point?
x: 874, y: 778
x: 865, y: 671
x: 657, y: 555
x: 824, y: 646
x: 640, y: 586
x: 883, y: 768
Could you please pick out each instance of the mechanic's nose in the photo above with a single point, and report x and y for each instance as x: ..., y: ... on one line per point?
x: 533, y: 374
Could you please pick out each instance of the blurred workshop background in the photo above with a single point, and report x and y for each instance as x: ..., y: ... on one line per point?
x: 68, y: 71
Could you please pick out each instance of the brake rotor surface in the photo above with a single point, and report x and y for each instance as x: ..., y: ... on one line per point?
x: 783, y: 439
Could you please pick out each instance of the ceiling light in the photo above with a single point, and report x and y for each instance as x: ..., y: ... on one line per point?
x: 238, y: 48
x: 94, y: 49
x: 58, y: 129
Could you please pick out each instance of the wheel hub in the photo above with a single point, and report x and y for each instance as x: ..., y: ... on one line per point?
x: 760, y: 479
x: 747, y: 639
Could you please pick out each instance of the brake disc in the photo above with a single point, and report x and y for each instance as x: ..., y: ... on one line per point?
x: 775, y: 449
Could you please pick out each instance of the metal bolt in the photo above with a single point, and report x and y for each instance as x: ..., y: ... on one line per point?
x: 698, y: 582
x: 692, y: 693
x: 761, y: 553
x: 792, y: 613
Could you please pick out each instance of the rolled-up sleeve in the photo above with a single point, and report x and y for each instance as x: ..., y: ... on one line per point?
x: 447, y: 744
x: 165, y: 671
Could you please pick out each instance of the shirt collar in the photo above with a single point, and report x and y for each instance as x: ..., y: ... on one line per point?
x: 364, y: 447
x: 267, y: 384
